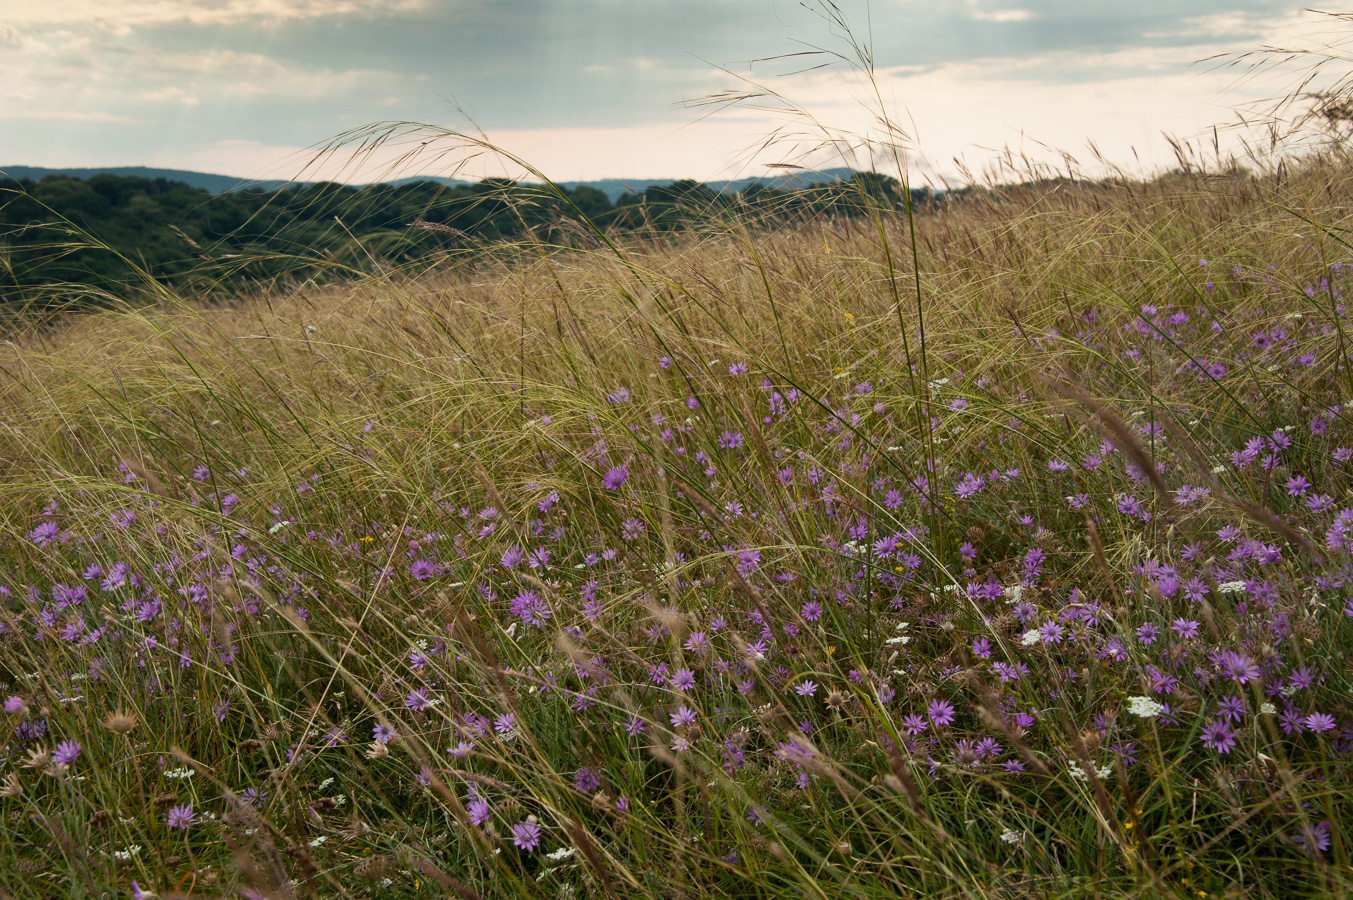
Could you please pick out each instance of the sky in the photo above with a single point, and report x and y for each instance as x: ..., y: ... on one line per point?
x: 590, y: 89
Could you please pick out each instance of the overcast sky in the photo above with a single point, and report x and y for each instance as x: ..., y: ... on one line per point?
x: 585, y: 89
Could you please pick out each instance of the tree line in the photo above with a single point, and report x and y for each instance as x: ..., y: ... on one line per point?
x: 113, y: 236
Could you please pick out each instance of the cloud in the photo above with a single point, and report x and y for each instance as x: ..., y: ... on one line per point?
x: 591, y: 86
x: 131, y: 13
x: 1001, y: 15
x: 70, y: 115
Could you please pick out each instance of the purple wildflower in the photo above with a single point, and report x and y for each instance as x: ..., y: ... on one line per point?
x: 66, y: 752
x: 526, y: 835
x: 941, y: 712
x: 615, y: 477
x: 1315, y: 839
x: 181, y: 816
x: 1239, y: 667
x: 683, y: 716
x: 1185, y: 628
x: 1218, y: 736
x: 530, y: 608
x: 1317, y: 722
x: 587, y: 780
x: 914, y: 725
x: 44, y: 534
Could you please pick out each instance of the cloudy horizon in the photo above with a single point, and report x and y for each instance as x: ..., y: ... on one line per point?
x: 595, y: 89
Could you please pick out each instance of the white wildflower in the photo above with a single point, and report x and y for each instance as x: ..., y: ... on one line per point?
x: 1231, y: 587
x: 900, y: 639
x: 561, y: 853
x: 1013, y: 593
x: 319, y: 840
x: 1144, y: 707
x: 1011, y: 836
x: 1267, y: 708
x: 1031, y: 637
x: 1078, y: 774
x: 184, y: 772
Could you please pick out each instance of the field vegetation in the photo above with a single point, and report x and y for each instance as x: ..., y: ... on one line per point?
x: 1004, y: 550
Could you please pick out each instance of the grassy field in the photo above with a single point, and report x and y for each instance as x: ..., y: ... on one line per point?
x: 737, y: 564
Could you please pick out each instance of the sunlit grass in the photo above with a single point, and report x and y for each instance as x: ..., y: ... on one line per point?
x: 664, y: 570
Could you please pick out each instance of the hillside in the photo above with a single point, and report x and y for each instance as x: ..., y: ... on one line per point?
x: 613, y: 188
x: 1008, y: 557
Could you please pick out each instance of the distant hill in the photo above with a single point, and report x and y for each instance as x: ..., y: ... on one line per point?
x: 214, y: 183
x: 613, y: 188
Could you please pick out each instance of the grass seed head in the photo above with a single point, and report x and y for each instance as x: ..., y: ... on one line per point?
x: 120, y: 722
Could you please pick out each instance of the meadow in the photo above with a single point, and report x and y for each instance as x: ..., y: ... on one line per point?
x: 1005, y: 551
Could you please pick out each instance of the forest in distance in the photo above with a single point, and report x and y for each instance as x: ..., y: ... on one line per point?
x: 108, y: 236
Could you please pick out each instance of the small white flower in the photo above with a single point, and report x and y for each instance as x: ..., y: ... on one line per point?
x: 900, y: 639
x: 325, y: 783
x: 1231, y: 587
x: 1267, y: 708
x: 561, y: 853
x: 319, y: 840
x: 184, y: 772
x: 1217, y: 470
x: 1013, y: 593
x: 1011, y: 836
x: 1031, y: 637
x: 1078, y: 774
x: 1144, y: 707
